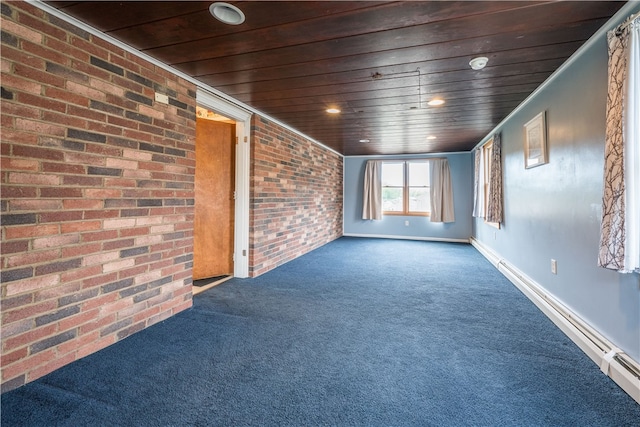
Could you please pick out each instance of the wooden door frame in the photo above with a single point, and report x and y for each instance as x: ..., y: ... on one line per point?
x: 242, y: 118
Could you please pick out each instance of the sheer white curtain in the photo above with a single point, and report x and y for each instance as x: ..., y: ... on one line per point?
x: 372, y: 194
x: 478, y: 184
x: 620, y: 229
x: 441, y: 191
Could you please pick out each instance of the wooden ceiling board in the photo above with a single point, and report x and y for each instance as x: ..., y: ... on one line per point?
x: 197, y: 32
x: 515, y: 56
x: 361, y: 76
x: 355, y: 30
x: 379, y: 62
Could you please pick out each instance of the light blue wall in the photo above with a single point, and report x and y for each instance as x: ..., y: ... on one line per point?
x: 461, y: 165
x: 554, y: 210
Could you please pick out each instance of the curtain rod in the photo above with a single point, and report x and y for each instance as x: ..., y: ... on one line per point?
x: 628, y: 22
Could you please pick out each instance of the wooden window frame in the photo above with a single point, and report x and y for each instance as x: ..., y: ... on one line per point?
x: 406, y: 188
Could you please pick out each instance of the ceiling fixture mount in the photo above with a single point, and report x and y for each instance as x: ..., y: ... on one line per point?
x: 227, y: 13
x: 435, y: 102
x: 333, y: 110
x: 479, y: 63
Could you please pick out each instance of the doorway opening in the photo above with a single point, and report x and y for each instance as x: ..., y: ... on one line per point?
x: 214, y: 210
x: 215, y: 108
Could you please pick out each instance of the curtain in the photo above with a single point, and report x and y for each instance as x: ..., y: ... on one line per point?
x: 372, y: 194
x: 478, y: 184
x: 494, y: 204
x: 441, y: 191
x: 620, y: 228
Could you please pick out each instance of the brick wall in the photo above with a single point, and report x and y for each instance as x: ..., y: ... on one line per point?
x: 97, y: 194
x: 296, y: 196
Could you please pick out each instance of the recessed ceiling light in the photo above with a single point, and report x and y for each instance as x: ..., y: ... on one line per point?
x: 332, y: 110
x: 364, y: 140
x: 431, y: 137
x: 227, y: 13
x: 436, y: 102
x: 479, y: 63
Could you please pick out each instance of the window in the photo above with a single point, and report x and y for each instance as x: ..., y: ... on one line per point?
x: 405, y: 187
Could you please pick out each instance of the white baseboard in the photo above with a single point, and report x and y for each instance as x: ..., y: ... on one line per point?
x: 387, y: 236
x: 619, y: 366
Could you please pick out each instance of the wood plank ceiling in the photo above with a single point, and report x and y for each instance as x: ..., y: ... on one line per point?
x: 378, y: 62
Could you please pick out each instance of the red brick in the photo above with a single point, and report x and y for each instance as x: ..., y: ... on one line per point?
x: 27, y: 364
x: 24, y: 231
x: 127, y: 269
x: 14, y: 356
x: 21, y: 84
x: 11, y: 109
x: 53, y: 293
x: 28, y: 285
x: 60, y: 192
x: 81, y: 273
x: 80, y: 226
x: 34, y: 205
x: 83, y: 204
x: 99, y: 302
x: 77, y: 320
x: 42, y: 102
x: 96, y: 345
x: 28, y: 337
x: 60, y: 216
x: 30, y: 258
x: 46, y: 175
x: 95, y: 46
x: 67, y: 120
x: 43, y: 52
x: 99, y: 235
x: 15, y: 328
x: 41, y: 26
x: 79, y: 342
x: 51, y: 366
x: 63, y: 168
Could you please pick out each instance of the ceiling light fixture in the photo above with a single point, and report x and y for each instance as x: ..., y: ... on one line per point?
x: 227, y: 13
x: 435, y: 102
x: 364, y: 140
x: 431, y: 137
x: 333, y: 110
x: 479, y: 63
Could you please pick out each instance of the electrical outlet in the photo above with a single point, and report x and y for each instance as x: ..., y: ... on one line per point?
x: 406, y: 223
x: 554, y: 266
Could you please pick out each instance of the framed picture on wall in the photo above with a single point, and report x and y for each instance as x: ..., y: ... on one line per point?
x: 535, y: 141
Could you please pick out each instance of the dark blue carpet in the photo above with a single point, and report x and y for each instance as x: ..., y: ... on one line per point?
x: 361, y: 332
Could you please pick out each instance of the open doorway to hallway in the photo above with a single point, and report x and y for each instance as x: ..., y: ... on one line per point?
x: 213, y: 237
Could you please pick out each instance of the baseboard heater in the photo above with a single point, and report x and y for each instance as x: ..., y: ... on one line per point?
x: 619, y: 366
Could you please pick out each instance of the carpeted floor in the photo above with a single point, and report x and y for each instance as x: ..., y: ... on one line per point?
x: 361, y: 332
